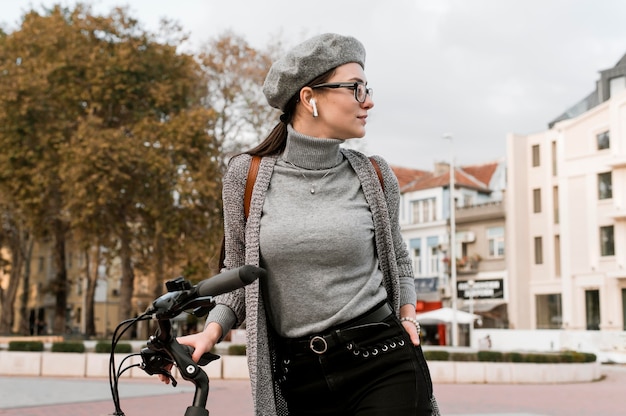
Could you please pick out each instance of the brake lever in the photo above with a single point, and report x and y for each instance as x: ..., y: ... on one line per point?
x: 155, y: 363
x: 206, y: 358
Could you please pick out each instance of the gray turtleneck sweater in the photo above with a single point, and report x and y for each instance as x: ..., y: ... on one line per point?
x: 317, y: 240
x: 243, y: 246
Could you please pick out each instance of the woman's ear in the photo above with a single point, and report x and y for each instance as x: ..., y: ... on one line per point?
x: 306, y: 97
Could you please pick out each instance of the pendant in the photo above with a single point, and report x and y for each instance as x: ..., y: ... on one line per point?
x: 312, y: 190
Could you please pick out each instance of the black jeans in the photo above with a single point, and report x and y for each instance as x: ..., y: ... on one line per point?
x: 382, y: 375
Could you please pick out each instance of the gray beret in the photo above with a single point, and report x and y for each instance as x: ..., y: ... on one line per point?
x: 306, y: 61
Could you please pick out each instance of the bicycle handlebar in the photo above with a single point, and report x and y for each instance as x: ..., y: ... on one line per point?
x: 163, y: 349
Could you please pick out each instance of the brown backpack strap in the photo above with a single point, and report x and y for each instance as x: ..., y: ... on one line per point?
x: 253, y: 170
x: 378, y: 172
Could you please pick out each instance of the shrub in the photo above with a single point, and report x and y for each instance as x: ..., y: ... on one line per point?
x: 514, y: 357
x: 25, y: 346
x: 463, y: 356
x: 237, y: 349
x: 589, y: 357
x: 490, y: 356
x: 68, y: 346
x: 577, y: 357
x: 121, y: 348
x: 436, y: 355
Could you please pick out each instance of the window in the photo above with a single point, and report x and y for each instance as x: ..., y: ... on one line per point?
x: 604, y: 141
x: 554, y: 164
x: 434, y: 260
x: 423, y: 210
x: 607, y: 243
x: 426, y: 211
x: 555, y: 203
x: 495, y: 238
x: 605, y: 185
x: 415, y: 212
x: 417, y: 262
x: 538, y: 250
x: 536, y: 200
x: 557, y: 255
x: 549, y: 311
x: 592, y: 309
x: 536, y: 160
x: 624, y: 308
x: 616, y: 85
x: 468, y: 200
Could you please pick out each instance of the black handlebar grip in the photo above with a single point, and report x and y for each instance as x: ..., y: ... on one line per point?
x: 230, y: 280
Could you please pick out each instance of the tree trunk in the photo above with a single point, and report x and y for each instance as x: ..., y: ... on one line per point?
x: 90, y: 292
x: 7, y: 316
x: 24, y: 328
x: 128, y: 276
x: 60, y: 280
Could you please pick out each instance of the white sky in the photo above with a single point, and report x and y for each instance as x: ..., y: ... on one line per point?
x: 477, y: 69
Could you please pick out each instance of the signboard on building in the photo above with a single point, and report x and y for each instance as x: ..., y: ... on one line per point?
x: 481, y: 289
x: 426, y: 284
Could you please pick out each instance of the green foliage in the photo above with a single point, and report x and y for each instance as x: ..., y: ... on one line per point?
x: 26, y: 346
x: 577, y: 357
x: 68, y: 346
x: 512, y: 357
x: 237, y: 349
x: 490, y: 356
x: 463, y: 356
x: 121, y: 348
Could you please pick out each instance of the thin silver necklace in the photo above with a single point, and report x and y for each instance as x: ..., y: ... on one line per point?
x: 313, y: 184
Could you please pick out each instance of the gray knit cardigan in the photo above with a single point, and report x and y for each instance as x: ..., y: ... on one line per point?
x: 242, y: 247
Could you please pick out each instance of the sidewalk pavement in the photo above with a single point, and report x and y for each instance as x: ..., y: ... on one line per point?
x: 39, y: 396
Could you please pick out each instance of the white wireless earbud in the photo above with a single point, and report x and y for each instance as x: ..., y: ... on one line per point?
x: 314, y: 105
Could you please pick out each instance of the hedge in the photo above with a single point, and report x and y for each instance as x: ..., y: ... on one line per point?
x: 120, y: 348
x: 511, y: 357
x: 68, y: 346
x: 237, y: 349
x: 26, y: 346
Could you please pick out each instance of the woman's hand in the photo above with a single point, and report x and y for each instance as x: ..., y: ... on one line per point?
x: 201, y: 342
x: 410, y: 327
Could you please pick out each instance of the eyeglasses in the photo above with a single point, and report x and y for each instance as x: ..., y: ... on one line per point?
x: 360, y: 90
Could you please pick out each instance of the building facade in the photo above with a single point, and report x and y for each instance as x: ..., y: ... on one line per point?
x: 566, y: 215
x: 479, y: 243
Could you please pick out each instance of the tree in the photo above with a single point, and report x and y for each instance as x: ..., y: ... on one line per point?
x: 87, y: 102
x: 15, y: 236
x: 236, y: 72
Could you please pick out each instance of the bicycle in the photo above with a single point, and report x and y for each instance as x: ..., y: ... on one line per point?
x: 162, y: 350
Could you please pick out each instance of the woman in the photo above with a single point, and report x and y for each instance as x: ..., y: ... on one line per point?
x: 332, y: 330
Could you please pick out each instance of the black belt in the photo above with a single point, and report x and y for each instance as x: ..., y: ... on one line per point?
x: 360, y: 328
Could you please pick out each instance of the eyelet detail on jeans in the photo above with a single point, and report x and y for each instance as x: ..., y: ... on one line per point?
x: 375, y: 352
x: 366, y: 354
x: 384, y: 348
x: 401, y: 343
x: 393, y: 344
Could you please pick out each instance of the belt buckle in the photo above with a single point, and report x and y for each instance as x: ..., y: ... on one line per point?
x: 314, y: 344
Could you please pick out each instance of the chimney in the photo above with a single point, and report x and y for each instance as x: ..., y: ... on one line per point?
x: 441, y: 168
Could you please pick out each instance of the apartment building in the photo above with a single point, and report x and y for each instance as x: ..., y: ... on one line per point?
x: 425, y: 224
x: 566, y: 215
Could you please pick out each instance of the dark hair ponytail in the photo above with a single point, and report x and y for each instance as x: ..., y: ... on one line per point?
x: 275, y: 142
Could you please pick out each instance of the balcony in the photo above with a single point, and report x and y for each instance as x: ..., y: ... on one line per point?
x: 480, y: 212
x: 464, y: 265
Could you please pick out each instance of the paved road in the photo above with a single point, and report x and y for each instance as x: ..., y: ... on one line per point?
x: 25, y: 396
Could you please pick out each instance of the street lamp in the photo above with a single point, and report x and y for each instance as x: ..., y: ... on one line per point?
x: 455, y: 338
x: 470, y: 288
